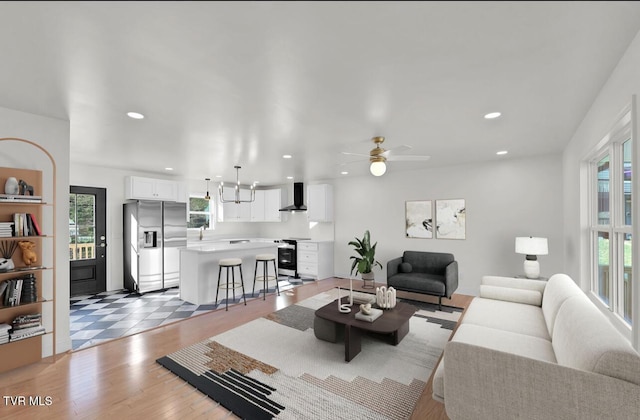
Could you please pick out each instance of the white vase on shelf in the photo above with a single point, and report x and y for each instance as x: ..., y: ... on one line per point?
x: 11, y: 186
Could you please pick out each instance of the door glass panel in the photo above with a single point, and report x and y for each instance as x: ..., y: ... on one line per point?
x: 603, y: 192
x: 82, y: 230
x: 603, y: 267
x: 627, y: 278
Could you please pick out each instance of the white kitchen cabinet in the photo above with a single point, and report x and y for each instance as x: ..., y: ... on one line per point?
x: 272, y: 205
x: 315, y: 259
x: 140, y: 188
x: 266, y: 207
x: 320, y: 203
x: 258, y: 207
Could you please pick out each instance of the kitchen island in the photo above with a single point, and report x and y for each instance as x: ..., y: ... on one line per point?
x: 199, y: 268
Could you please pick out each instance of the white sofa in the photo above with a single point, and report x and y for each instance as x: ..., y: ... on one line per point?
x: 532, y: 349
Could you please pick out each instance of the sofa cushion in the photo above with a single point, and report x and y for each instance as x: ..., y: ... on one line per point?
x: 508, y: 342
x: 507, y: 316
x: 583, y: 338
x: 559, y: 288
x: 418, y: 282
x: 405, y: 267
x: 428, y: 262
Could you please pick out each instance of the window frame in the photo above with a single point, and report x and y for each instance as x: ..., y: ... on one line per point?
x: 210, y: 213
x: 613, y: 146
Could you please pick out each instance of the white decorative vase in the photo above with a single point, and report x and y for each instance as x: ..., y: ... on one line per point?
x: 386, y: 298
x: 11, y: 186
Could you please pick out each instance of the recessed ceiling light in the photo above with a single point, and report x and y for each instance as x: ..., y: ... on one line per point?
x: 218, y: 176
x: 344, y: 173
x: 168, y: 169
x: 492, y: 115
x: 286, y: 156
x: 289, y: 177
x: 135, y: 115
x: 502, y: 152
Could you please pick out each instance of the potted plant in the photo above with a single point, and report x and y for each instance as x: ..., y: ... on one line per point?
x: 364, y: 262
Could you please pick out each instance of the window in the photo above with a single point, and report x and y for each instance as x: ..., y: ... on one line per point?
x: 200, y: 213
x: 611, y: 222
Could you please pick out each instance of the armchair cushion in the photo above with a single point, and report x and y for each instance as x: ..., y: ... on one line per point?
x: 405, y: 267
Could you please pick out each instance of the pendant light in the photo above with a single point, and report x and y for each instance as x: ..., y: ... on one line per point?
x: 236, y: 199
x: 207, y: 197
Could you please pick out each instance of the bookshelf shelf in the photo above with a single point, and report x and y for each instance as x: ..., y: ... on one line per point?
x: 30, y: 349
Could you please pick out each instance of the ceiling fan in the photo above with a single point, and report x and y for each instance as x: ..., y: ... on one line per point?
x: 379, y: 156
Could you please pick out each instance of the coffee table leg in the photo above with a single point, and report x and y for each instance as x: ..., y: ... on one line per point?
x: 352, y: 343
x: 400, y: 333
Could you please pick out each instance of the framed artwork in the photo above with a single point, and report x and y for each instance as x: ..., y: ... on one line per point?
x: 418, y: 219
x: 450, y: 219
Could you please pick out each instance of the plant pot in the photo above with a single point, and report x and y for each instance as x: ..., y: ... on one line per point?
x: 368, y: 276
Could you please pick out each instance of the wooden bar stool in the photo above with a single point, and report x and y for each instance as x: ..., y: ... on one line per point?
x: 230, y: 264
x: 266, y: 278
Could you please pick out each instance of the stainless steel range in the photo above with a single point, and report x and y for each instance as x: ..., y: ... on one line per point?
x: 288, y: 257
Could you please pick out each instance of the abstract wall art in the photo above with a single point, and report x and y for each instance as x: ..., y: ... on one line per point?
x: 419, y: 219
x: 450, y: 219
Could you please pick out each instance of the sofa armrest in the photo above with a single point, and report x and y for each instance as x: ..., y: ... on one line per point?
x: 480, y: 383
x: 451, y: 278
x: 393, y: 266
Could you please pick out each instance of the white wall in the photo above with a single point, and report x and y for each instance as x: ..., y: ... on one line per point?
x: 504, y: 199
x: 611, y: 101
x: 52, y: 135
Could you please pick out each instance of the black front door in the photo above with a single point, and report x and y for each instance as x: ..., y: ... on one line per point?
x: 87, y: 240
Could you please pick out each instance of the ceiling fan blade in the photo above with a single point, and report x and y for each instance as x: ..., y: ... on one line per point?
x: 351, y: 162
x: 408, y: 158
x: 402, y: 148
x: 355, y: 154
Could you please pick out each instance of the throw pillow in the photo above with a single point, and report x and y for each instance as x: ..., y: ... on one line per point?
x: 405, y: 267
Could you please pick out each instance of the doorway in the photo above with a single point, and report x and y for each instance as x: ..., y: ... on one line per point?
x: 87, y: 240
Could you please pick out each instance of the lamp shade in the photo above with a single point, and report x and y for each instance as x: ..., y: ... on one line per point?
x: 378, y: 168
x: 529, y: 245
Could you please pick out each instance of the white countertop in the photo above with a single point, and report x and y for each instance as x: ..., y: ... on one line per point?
x: 226, y: 246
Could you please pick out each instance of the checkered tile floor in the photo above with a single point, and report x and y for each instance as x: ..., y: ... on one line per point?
x: 109, y: 315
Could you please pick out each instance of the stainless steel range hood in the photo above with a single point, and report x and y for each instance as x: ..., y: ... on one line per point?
x: 298, y: 191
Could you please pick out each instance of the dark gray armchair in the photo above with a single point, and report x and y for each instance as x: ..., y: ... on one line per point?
x: 431, y: 273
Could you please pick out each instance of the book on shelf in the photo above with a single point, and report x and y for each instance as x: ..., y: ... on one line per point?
x: 26, y: 333
x: 13, y: 198
x: 19, y: 291
x: 34, y: 224
x: 25, y: 224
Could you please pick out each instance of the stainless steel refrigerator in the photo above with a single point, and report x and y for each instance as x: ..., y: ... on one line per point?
x: 154, y: 232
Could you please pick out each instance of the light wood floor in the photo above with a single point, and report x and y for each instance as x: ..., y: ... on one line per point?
x: 120, y: 378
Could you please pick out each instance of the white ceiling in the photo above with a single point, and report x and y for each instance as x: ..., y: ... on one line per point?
x: 243, y: 83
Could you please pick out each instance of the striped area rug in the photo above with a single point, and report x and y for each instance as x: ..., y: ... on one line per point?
x: 275, y: 367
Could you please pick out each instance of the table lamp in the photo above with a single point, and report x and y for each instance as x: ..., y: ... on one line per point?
x: 531, y: 247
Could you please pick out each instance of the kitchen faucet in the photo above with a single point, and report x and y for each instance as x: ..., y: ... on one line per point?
x: 202, y: 228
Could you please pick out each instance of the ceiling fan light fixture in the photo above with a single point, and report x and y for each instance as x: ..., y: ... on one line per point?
x: 378, y: 167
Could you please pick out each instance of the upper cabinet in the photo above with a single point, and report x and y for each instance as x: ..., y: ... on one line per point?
x: 265, y: 207
x: 272, y: 204
x: 140, y: 188
x: 320, y: 203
